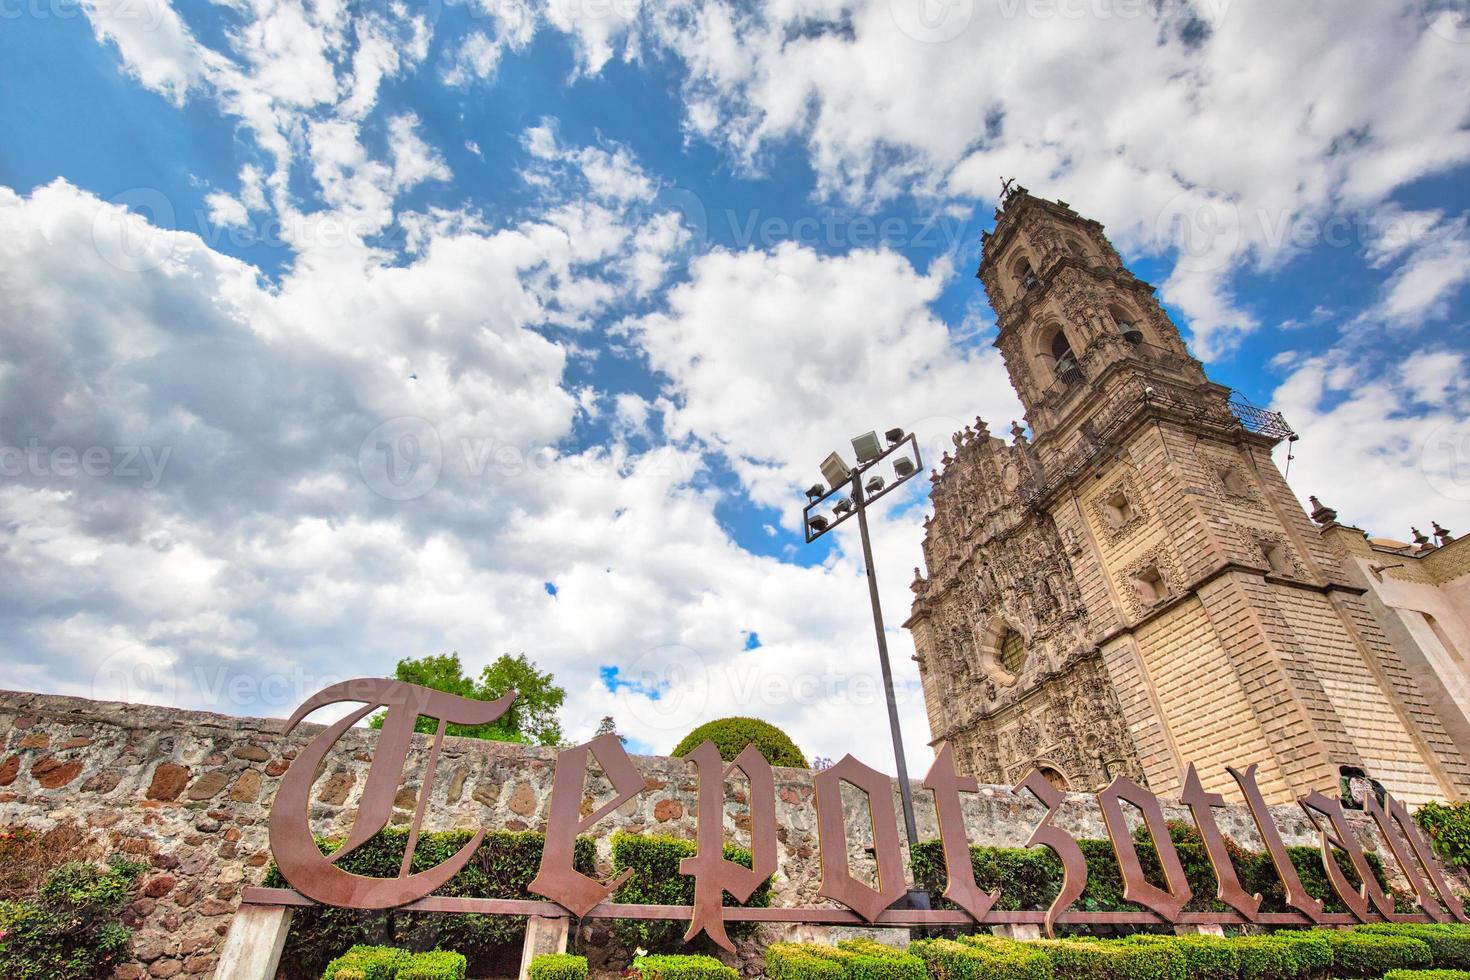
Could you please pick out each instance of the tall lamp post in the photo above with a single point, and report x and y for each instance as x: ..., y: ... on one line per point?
x: 863, y: 486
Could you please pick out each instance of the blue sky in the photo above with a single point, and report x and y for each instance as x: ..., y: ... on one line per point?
x: 478, y: 326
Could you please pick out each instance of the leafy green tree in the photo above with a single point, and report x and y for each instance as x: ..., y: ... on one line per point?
x: 532, y: 718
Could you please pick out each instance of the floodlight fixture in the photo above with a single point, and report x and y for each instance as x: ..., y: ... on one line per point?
x: 904, y: 467
x: 842, y: 506
x: 866, y: 447
x: 874, y: 485
x: 835, y: 471
x: 817, y: 523
x: 815, y: 492
x: 894, y: 436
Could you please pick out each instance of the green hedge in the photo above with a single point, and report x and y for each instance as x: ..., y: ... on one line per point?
x: 1205, y: 957
x: 1371, y: 955
x: 1079, y: 959
x: 1449, y: 945
x: 434, y: 965
x: 948, y: 959
x: 1426, y: 975
x: 656, y: 880
x: 1448, y: 828
x: 364, y: 962
x: 390, y: 963
x: 732, y: 735
x: 502, y: 867
x: 1030, y: 878
x: 558, y: 966
x: 682, y: 968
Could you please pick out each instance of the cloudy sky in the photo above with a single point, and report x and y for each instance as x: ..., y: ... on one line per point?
x: 337, y: 333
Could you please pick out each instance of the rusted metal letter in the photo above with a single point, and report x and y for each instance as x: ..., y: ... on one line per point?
x: 1228, y: 888
x: 296, y: 853
x: 557, y: 879
x: 1340, y: 835
x: 1296, y: 895
x: 1168, y: 902
x: 838, y: 882
x: 1074, y: 864
x: 1395, y: 813
x: 947, y: 785
x: 713, y: 875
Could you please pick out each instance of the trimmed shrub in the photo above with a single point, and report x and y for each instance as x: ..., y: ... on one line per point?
x: 682, y: 968
x: 1426, y: 975
x: 656, y: 881
x: 1448, y: 827
x: 435, y: 965
x: 558, y: 966
x: 1371, y: 955
x: 801, y: 961
x: 732, y: 735
x: 1311, y: 950
x: 947, y: 959
x: 367, y: 963
x: 1265, y: 958
x: 70, y: 930
x: 1449, y: 944
x: 503, y: 866
x: 866, y: 959
x: 1080, y: 959
x: 1205, y: 957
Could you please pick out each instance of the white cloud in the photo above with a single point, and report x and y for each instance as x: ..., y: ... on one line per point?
x: 1383, y: 444
x: 758, y: 345
x: 226, y: 210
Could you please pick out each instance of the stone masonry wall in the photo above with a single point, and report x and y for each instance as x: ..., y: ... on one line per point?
x: 189, y: 792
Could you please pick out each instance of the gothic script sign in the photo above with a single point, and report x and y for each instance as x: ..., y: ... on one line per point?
x: 316, y: 878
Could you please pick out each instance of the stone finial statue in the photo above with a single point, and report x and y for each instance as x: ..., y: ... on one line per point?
x: 1321, y: 513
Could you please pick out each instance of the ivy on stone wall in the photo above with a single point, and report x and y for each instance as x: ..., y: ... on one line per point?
x: 1448, y: 827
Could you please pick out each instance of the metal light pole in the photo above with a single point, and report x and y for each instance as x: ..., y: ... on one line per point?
x: 906, y: 466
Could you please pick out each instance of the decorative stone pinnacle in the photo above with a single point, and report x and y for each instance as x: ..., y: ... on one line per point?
x: 1419, y: 538
x: 1321, y: 513
x: 1018, y: 433
x: 1440, y: 534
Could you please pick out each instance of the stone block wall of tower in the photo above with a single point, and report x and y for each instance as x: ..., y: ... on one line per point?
x: 1143, y: 541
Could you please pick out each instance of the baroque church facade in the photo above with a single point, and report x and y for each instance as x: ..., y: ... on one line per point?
x: 1134, y: 588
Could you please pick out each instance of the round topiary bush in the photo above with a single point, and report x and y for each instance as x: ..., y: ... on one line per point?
x: 732, y: 735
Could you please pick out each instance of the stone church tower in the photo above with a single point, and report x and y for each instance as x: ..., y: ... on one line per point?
x: 1134, y: 588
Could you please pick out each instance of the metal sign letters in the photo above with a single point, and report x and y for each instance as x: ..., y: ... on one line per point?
x: 316, y: 877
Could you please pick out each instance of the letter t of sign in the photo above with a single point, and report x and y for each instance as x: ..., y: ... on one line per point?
x: 947, y: 785
x: 713, y: 875
x: 557, y: 879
